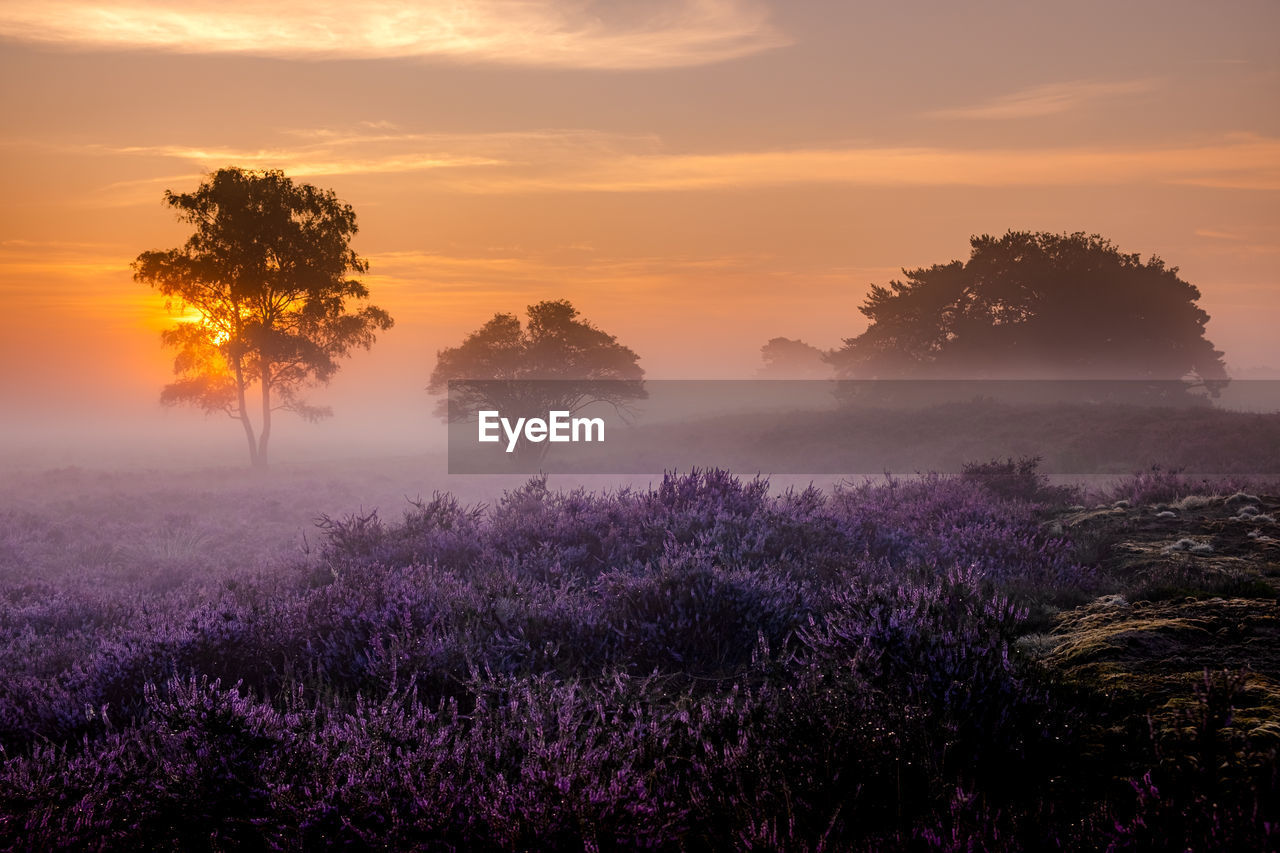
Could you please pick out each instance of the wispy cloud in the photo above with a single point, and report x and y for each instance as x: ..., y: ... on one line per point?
x: 30, y: 264
x: 552, y: 267
x: 304, y: 163
x: 44, y: 246
x: 1246, y: 242
x: 1242, y: 162
x: 39, y: 276
x: 464, y: 285
x: 23, y: 258
x: 1050, y: 99
x: 381, y: 149
x: 588, y: 161
x: 669, y: 33
x: 1214, y: 234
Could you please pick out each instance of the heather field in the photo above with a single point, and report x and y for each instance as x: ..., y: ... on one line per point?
x: 973, y: 662
x: 480, y: 426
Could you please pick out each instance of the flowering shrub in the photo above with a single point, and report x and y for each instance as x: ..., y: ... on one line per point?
x: 705, y: 664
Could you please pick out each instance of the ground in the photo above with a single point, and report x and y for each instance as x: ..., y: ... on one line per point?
x: 1199, y: 582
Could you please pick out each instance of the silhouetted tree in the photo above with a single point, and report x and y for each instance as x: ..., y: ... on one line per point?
x: 267, y: 272
x: 785, y: 358
x: 493, y: 367
x: 1036, y: 304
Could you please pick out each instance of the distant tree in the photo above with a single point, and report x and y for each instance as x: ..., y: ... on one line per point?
x: 266, y: 271
x: 1036, y: 304
x: 785, y: 358
x: 590, y: 364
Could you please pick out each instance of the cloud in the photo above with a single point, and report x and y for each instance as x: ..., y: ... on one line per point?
x: 500, y: 269
x: 22, y: 259
x: 358, y: 152
x: 305, y: 162
x: 1051, y: 99
x: 42, y: 278
x: 551, y: 267
x: 425, y: 277
x: 548, y: 161
x: 565, y: 34
x: 1242, y: 162
x: 20, y: 244
x: 1247, y: 242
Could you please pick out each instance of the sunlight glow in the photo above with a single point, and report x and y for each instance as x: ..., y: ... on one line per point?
x: 191, y: 315
x: 671, y: 33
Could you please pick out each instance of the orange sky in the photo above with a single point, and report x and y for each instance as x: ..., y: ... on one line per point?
x: 698, y: 176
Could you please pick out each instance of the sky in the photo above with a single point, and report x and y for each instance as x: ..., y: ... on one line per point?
x: 697, y: 176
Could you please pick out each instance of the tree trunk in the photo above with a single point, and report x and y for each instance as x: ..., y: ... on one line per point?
x: 244, y: 415
x: 265, y: 435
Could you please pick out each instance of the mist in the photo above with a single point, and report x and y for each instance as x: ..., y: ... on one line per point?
x: 936, y: 503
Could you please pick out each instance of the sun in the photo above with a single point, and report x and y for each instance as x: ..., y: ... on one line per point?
x: 217, y: 336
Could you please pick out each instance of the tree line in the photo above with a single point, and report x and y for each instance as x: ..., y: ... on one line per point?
x: 270, y: 273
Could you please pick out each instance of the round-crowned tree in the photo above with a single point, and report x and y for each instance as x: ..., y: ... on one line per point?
x: 785, y: 358
x: 1031, y: 305
x: 556, y: 361
x: 267, y: 270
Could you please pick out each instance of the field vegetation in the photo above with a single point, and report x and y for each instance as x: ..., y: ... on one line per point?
x: 972, y: 661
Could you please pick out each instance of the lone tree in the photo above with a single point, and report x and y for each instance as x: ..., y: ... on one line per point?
x: 493, y: 367
x: 266, y: 271
x: 785, y: 358
x: 1032, y: 305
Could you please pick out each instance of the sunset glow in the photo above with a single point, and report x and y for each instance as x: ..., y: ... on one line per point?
x: 698, y: 176
x: 500, y: 425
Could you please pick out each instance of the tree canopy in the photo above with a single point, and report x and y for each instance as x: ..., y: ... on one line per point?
x: 1035, y: 305
x: 785, y: 358
x: 267, y: 272
x: 493, y: 367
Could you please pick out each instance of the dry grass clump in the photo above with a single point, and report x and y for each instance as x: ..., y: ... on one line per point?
x: 1190, y: 546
